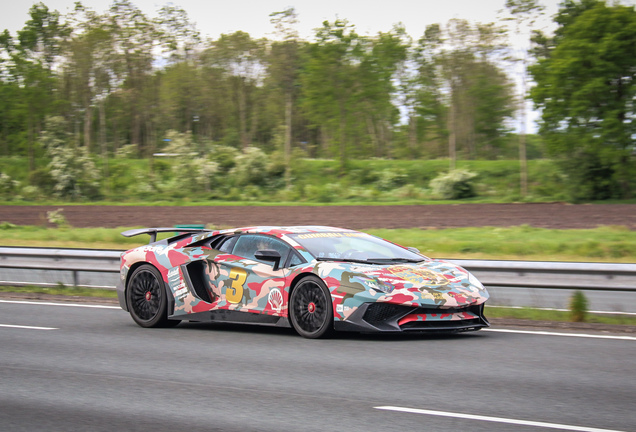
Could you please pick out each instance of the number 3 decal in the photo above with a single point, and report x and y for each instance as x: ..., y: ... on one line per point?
x: 234, y: 293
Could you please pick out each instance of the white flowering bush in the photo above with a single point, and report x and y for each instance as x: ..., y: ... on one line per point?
x: 8, y: 186
x: 194, y: 174
x: 57, y: 218
x: 250, y: 167
x: 179, y: 143
x: 74, y: 173
x: 455, y: 184
x: 128, y: 151
x: 72, y: 170
x: 391, y: 179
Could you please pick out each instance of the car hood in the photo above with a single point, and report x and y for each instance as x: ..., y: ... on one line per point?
x: 429, y: 283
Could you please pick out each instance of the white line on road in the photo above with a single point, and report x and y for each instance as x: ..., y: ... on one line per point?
x: 564, y: 310
x: 495, y: 419
x: 546, y: 333
x: 27, y: 327
x: 60, y: 304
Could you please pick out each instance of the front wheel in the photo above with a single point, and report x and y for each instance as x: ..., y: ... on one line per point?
x: 147, y: 299
x: 311, y: 309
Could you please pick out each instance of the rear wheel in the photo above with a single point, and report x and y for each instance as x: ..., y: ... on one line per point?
x: 311, y: 309
x: 146, y: 297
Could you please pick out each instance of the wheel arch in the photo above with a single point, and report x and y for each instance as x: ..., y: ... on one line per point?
x: 132, y: 269
x: 298, y: 278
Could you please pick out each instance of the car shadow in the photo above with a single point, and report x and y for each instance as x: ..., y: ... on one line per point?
x: 289, y: 332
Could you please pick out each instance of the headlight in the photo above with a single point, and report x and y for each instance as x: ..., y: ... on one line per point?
x: 474, y: 281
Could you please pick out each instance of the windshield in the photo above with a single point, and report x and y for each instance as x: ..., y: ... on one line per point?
x: 354, y: 246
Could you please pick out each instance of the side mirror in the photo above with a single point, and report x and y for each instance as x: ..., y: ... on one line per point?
x: 414, y: 250
x: 269, y: 255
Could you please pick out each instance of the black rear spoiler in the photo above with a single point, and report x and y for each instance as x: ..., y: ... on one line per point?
x: 153, y: 231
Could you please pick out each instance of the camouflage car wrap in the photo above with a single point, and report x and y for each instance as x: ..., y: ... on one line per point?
x: 208, y: 282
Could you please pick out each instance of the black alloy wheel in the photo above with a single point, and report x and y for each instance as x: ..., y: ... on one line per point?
x: 146, y: 298
x: 311, y: 309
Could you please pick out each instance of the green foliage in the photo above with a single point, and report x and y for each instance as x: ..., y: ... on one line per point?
x: 62, y: 290
x: 195, y: 179
x: 554, y: 315
x: 74, y: 174
x: 391, y: 179
x: 253, y: 167
x: 224, y: 156
x: 606, y: 244
x: 578, y: 306
x: 8, y: 186
x: 71, y: 169
x: 57, y: 218
x: 585, y: 86
x: 128, y: 151
x: 602, y: 244
x: 456, y: 184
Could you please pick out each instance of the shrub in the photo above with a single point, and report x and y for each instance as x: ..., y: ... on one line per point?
x: 128, y: 151
x: 224, y: 156
x: 456, y: 184
x: 41, y: 178
x: 578, y: 306
x: 74, y: 174
x: 30, y: 193
x: 57, y: 218
x: 253, y: 167
x: 391, y: 179
x: 8, y: 186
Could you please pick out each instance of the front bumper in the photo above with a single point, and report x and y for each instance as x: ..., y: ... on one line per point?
x: 388, y: 317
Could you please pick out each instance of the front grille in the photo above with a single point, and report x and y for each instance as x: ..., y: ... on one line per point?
x: 443, y: 325
x: 382, y: 312
x: 389, y: 316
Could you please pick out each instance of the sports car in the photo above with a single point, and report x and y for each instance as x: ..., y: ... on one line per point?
x: 315, y: 279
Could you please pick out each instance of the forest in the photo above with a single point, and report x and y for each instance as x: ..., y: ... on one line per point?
x: 117, y: 105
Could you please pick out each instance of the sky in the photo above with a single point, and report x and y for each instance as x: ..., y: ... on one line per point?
x: 215, y: 17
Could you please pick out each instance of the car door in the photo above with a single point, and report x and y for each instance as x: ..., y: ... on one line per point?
x: 244, y: 283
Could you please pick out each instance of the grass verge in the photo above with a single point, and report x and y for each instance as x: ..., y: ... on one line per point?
x: 61, y: 290
x: 603, y: 244
x: 553, y: 315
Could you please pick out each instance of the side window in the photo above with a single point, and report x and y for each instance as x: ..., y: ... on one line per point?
x: 295, y: 260
x: 227, y: 245
x: 247, y: 245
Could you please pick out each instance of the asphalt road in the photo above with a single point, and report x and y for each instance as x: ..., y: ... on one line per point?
x: 94, y: 369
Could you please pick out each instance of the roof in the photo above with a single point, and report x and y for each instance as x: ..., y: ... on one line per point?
x: 285, y: 230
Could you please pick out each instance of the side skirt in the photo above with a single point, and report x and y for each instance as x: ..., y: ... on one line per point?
x: 236, y: 317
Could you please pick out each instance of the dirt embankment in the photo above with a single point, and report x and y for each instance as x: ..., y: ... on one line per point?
x: 548, y: 215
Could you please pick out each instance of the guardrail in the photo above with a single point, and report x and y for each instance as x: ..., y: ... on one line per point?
x: 21, y: 266
x: 48, y: 267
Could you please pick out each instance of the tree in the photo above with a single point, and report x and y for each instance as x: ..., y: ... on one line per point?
x: 88, y: 72
x: 478, y: 94
x: 32, y: 59
x: 380, y: 60
x: 585, y: 89
x: 420, y: 90
x: 283, y: 68
x: 329, y: 82
x: 134, y: 38
x: 524, y: 13
x: 239, y: 58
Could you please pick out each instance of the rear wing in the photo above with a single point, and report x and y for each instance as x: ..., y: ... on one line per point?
x: 152, y: 232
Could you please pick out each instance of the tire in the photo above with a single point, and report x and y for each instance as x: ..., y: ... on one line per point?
x: 147, y: 299
x: 311, y: 309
